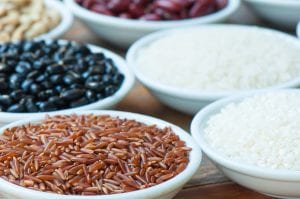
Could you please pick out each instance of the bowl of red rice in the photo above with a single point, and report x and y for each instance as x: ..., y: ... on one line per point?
x: 95, y: 154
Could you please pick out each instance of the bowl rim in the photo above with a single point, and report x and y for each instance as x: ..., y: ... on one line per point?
x: 157, y: 190
x: 65, y: 22
x: 86, y: 14
x: 194, y: 93
x: 298, y: 30
x: 126, y: 86
x: 287, y: 3
x: 200, y: 121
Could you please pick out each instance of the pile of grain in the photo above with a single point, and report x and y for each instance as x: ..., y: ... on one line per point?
x: 90, y: 155
x: 220, y: 59
x: 263, y: 130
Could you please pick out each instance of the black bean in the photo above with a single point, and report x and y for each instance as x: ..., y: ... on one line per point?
x: 41, y: 78
x: 44, y: 76
x: 26, y: 84
x: 28, y: 57
x: 59, y: 88
x: 23, y: 67
x: 100, y: 96
x: 5, y: 100
x: 95, y: 86
x: 16, y: 108
x: 47, y: 106
x: 57, y: 101
x: 3, y: 67
x: 110, y: 90
x: 44, y: 95
x: 3, y: 84
x: 72, y: 94
x: 80, y: 86
x: 17, y: 95
x: 72, y: 78
x: 80, y: 102
x: 15, y: 80
x: 38, y: 65
x: 46, y: 84
x: 57, y: 79
x: 118, y: 79
x: 94, y: 78
x: 107, y: 79
x: 90, y: 95
x: 69, y: 61
x: 30, y: 106
x: 33, y: 74
x: 35, y: 89
x: 55, y: 69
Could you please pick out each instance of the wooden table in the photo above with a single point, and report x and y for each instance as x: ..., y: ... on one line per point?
x: 208, y: 183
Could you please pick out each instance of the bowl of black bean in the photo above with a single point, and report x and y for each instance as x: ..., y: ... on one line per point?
x: 43, y: 76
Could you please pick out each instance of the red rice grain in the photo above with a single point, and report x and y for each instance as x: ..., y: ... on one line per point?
x: 90, y: 155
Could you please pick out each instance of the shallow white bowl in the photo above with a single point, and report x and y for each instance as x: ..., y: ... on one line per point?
x: 282, y: 13
x: 166, y: 190
x: 123, y: 32
x: 298, y: 30
x: 105, y: 103
x: 185, y: 100
x: 65, y: 23
x: 275, y: 182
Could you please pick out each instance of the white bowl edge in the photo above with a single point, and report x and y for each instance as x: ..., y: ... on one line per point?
x: 199, y: 122
x: 155, y: 191
x: 196, y: 94
x: 6, y: 117
x: 150, y: 25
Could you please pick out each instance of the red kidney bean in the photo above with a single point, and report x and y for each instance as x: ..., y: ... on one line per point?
x: 101, y: 9
x: 154, y: 9
x: 151, y: 17
x: 118, y: 6
x: 201, y: 7
x: 221, y: 4
x: 88, y: 3
x: 135, y: 10
x: 125, y: 15
x: 169, y: 5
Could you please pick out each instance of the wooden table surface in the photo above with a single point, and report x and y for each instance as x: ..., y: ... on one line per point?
x: 208, y: 183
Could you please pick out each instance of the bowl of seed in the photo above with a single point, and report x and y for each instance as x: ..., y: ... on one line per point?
x: 95, y: 154
x: 253, y: 139
x: 202, y: 69
x: 57, y: 75
x: 28, y: 19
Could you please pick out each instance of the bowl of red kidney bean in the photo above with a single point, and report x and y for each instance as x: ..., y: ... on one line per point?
x: 45, y: 76
x: 121, y: 22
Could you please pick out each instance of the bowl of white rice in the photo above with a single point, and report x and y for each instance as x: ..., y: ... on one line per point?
x: 254, y: 139
x: 189, y: 68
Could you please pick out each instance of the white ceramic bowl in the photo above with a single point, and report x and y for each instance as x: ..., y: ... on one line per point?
x: 166, y: 190
x: 185, y: 100
x: 275, y: 182
x: 123, y: 32
x: 298, y: 30
x: 282, y: 13
x: 65, y: 23
x: 105, y: 103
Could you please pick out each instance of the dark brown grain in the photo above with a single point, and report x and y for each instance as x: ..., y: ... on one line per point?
x: 90, y: 155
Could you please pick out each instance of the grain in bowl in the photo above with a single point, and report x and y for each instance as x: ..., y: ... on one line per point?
x: 260, y: 153
x: 92, y: 155
x: 262, y: 130
x: 217, y: 58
